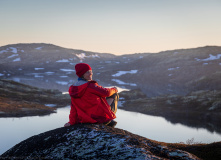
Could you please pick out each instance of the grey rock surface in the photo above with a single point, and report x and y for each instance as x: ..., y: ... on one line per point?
x: 92, y: 141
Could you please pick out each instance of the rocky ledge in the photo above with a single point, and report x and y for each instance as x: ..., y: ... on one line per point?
x: 18, y: 100
x: 93, y: 141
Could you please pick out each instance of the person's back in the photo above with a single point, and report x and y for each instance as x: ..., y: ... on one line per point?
x: 88, y: 99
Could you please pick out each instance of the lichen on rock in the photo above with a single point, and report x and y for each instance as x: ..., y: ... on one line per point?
x: 92, y: 141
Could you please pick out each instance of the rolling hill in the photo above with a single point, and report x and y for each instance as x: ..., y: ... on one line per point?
x: 178, y: 71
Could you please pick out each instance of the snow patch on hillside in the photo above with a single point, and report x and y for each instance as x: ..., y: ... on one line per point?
x: 36, y: 75
x: 17, y: 59
x: 49, y: 73
x: 39, y: 48
x: 170, y: 69
x: 123, y: 83
x: 14, y: 50
x: 210, y: 58
x: 39, y: 69
x: 120, y: 73
x: 83, y: 56
x: 72, y: 64
x: 62, y: 82
x: 63, y: 60
x: 67, y: 70
x: 51, y: 105
x: 14, y: 55
x: 3, y: 51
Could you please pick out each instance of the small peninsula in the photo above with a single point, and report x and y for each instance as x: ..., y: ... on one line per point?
x: 19, y: 100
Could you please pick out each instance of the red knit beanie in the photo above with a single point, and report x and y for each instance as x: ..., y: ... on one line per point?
x: 81, y: 69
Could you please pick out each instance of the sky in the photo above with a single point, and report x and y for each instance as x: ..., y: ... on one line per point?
x: 112, y: 26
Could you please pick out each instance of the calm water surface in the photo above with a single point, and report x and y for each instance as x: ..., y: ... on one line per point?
x: 15, y: 130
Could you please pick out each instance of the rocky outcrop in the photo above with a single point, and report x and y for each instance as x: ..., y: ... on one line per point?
x: 92, y: 141
x: 19, y: 100
x: 197, y: 109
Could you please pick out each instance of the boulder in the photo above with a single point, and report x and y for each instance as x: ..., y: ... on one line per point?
x: 92, y: 141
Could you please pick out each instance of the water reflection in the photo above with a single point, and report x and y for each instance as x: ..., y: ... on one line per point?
x: 157, y: 128
x: 15, y: 130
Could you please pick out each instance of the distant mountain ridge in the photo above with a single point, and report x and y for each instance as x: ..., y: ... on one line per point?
x: 169, y: 72
x: 178, y: 71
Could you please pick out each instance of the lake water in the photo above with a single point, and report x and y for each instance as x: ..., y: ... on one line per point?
x: 15, y: 130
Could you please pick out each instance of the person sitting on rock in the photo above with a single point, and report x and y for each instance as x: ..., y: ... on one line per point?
x: 90, y: 102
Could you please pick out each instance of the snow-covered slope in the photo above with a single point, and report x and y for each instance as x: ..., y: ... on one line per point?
x: 50, y: 66
x: 174, y: 72
x: 168, y: 72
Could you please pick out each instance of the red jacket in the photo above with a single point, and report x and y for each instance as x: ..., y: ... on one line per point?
x: 89, y: 105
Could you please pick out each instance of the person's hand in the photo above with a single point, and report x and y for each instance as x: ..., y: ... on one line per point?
x: 67, y: 124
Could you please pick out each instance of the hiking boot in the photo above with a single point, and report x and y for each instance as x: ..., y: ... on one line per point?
x: 112, y: 123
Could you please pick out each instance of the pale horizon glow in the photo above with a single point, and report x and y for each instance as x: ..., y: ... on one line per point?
x: 117, y: 27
